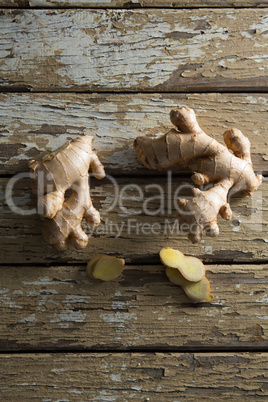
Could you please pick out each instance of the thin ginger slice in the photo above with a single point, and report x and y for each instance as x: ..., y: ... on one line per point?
x: 105, y: 268
x: 191, y: 268
x: 91, y: 265
x: 196, y: 291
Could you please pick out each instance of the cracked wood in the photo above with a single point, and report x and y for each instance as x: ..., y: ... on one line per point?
x: 135, y: 377
x: 135, y: 50
x: 32, y: 124
x: 59, y: 307
x: 133, y: 3
x: 136, y: 224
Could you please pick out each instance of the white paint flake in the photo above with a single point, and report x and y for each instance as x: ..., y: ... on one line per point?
x: 115, y: 377
x: 118, y: 317
x: 30, y: 319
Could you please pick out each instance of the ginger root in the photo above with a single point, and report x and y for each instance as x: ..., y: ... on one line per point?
x: 210, y: 162
x: 105, y: 268
x: 196, y: 291
x: 191, y: 268
x: 67, y: 168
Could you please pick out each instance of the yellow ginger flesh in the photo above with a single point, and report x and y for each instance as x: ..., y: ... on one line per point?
x: 67, y: 168
x: 196, y: 291
x: 187, y: 272
x: 210, y: 162
x: 191, y: 268
x: 105, y: 268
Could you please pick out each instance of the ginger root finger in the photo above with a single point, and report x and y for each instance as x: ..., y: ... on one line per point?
x: 196, y: 291
x: 199, y: 214
x: 63, y: 169
x: 105, y: 268
x: 191, y: 268
x: 211, y: 162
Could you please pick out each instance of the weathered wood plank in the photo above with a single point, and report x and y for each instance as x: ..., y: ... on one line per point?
x: 133, y: 3
x: 137, y: 50
x: 135, y: 377
x: 136, y: 226
x: 61, y: 308
x: 32, y: 124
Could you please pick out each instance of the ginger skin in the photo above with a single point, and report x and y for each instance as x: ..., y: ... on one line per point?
x: 66, y: 168
x: 210, y: 162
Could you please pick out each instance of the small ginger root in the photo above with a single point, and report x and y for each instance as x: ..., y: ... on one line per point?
x: 105, y: 268
x: 196, y: 291
x: 210, y: 162
x: 191, y: 268
x: 67, y: 168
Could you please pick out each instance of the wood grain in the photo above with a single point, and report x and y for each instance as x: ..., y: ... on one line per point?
x: 60, y: 308
x: 50, y: 304
x: 135, y: 377
x: 32, y: 124
x: 135, y: 50
x: 133, y: 3
x: 135, y: 226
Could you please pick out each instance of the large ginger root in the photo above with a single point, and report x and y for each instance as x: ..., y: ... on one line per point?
x: 210, y: 162
x: 66, y: 168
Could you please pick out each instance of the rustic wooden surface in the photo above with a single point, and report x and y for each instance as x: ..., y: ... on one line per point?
x: 125, y: 229
x: 133, y: 3
x: 136, y: 377
x: 64, y: 337
x: 59, y: 308
x: 137, y: 50
x: 32, y: 124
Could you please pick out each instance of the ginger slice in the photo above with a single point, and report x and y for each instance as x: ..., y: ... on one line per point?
x: 190, y: 268
x: 91, y: 264
x: 196, y: 291
x: 105, y: 268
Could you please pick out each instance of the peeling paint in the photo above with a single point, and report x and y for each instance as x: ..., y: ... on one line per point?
x: 114, y: 134
x: 30, y: 319
x: 118, y: 317
x: 157, y: 41
x: 115, y: 377
x: 207, y: 250
x: 66, y: 317
x: 263, y: 299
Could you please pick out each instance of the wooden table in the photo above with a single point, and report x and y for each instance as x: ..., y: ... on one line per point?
x: 117, y: 68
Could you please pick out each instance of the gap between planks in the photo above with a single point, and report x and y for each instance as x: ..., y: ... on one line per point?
x: 138, y: 264
x: 240, y: 91
x: 133, y: 350
x: 132, y: 8
x: 129, y: 5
